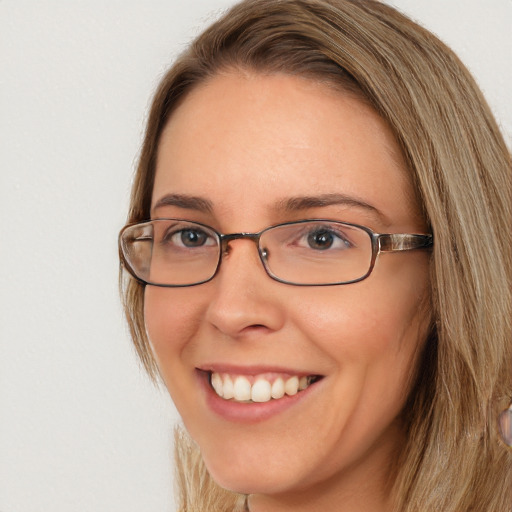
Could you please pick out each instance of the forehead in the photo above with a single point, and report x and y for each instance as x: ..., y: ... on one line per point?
x: 246, y: 142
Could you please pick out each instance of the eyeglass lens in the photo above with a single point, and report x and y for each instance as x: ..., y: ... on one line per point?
x: 171, y: 252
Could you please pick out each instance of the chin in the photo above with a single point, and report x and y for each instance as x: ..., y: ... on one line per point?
x: 245, y: 476
x: 251, y: 482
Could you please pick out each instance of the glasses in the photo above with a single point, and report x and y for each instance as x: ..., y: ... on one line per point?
x: 316, y: 252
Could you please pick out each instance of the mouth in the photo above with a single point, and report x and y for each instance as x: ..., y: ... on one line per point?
x: 259, y: 388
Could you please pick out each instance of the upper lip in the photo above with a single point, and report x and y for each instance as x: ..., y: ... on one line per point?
x: 234, y: 369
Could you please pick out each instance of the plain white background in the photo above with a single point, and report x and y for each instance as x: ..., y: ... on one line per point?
x: 81, y: 428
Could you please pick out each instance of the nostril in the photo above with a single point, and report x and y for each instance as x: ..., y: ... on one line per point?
x: 255, y: 329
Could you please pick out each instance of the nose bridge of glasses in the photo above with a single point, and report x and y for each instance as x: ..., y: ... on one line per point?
x: 225, y: 239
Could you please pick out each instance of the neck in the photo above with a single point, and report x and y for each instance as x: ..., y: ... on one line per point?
x: 364, y: 500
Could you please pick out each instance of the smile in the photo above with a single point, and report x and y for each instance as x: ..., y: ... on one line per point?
x: 258, y: 388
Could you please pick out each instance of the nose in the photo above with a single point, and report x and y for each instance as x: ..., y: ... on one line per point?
x: 245, y: 299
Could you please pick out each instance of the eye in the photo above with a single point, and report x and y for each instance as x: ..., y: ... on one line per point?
x: 320, y: 240
x: 189, y: 238
x: 192, y: 237
x: 323, y: 238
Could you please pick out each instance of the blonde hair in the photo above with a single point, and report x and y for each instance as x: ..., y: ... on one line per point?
x: 461, y: 170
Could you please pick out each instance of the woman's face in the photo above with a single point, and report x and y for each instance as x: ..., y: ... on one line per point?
x: 244, y: 152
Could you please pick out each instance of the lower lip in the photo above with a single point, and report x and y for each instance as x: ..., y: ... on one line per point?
x: 252, y: 412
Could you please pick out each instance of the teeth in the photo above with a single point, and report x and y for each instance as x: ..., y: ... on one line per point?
x: 291, y: 386
x: 239, y: 387
x: 278, y: 388
x: 261, y: 391
x: 242, y: 389
x: 228, y: 388
x: 217, y: 384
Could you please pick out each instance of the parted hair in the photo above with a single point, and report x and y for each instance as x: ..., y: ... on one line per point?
x: 461, y: 171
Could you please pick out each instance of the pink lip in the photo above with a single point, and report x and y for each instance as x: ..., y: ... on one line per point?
x: 251, y: 370
x: 249, y: 412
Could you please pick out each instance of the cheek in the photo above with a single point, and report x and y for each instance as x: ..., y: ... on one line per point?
x: 371, y: 327
x: 373, y: 337
x: 170, y: 321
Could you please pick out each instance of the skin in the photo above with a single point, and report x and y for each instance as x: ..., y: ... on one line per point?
x: 246, y: 142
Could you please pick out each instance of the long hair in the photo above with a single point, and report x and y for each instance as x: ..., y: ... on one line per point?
x: 460, y: 168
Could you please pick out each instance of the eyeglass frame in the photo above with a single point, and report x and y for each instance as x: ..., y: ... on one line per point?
x: 380, y: 242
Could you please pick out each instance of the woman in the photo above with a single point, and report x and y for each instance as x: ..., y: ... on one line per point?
x: 358, y: 358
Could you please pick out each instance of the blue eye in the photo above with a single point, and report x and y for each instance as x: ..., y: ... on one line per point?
x: 322, y: 239
x: 192, y: 237
x: 188, y: 238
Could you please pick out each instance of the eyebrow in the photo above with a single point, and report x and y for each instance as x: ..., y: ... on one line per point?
x: 184, y: 201
x: 294, y: 204
x: 288, y: 205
